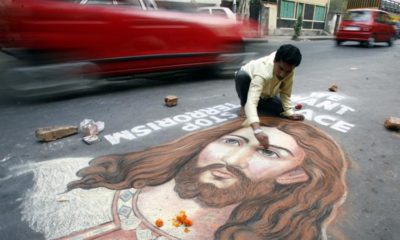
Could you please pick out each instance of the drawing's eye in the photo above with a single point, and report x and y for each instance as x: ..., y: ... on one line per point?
x: 231, y: 141
x: 268, y: 153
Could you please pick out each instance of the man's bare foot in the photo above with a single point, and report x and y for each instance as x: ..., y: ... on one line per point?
x: 241, y: 112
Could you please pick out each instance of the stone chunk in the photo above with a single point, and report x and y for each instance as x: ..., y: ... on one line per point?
x: 48, y: 134
x: 171, y: 100
x: 333, y: 88
x: 91, y: 139
x: 392, y: 123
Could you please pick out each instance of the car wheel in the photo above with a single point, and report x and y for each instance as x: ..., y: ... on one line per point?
x: 230, y: 63
x: 370, y: 42
x: 338, y: 42
x: 391, y: 40
x: 49, y: 80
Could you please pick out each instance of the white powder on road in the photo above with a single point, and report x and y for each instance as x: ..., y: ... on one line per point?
x: 57, y: 215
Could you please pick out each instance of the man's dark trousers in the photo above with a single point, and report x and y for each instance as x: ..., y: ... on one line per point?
x: 269, y: 106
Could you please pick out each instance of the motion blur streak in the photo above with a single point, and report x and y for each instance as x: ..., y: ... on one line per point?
x: 106, y: 41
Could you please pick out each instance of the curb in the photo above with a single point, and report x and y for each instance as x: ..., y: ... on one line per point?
x: 316, y: 38
x: 304, y: 38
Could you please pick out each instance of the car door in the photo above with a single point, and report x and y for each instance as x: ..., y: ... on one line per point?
x: 383, y: 27
x: 389, y: 27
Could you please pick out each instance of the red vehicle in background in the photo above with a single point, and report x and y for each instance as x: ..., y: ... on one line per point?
x: 66, y: 44
x: 366, y: 26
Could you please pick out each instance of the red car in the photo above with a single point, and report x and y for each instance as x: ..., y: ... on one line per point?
x: 63, y: 43
x: 366, y: 26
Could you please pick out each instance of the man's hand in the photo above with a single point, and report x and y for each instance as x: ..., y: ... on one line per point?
x: 260, y: 135
x: 262, y: 139
x: 296, y: 117
x: 242, y: 113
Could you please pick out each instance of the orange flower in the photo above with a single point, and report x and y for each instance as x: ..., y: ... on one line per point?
x: 188, y: 222
x: 182, y: 219
x: 159, y: 223
x: 176, y: 223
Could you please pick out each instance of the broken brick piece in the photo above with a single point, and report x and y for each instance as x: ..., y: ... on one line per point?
x: 171, y: 100
x: 333, y: 88
x: 392, y: 123
x: 91, y: 139
x: 48, y: 134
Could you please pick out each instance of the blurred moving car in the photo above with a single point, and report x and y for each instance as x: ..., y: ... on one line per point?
x: 60, y: 44
x: 218, y: 11
x: 366, y: 26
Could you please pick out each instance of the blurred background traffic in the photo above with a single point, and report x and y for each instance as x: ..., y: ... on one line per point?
x: 56, y: 46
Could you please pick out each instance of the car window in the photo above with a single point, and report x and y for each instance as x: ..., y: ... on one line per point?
x: 204, y: 11
x: 357, y: 16
x: 386, y: 18
x: 150, y: 4
x: 383, y: 17
x: 134, y: 3
x: 219, y: 12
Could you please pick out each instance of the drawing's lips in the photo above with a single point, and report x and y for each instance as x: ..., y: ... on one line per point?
x: 222, y: 173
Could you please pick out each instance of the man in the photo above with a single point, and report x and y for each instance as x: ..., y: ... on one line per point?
x: 232, y: 186
x: 260, y: 81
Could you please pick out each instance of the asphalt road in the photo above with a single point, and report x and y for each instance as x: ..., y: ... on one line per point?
x: 368, y: 93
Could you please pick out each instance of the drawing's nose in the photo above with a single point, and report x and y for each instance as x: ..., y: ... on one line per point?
x: 238, y: 157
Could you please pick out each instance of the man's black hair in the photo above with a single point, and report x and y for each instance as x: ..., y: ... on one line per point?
x: 289, y: 54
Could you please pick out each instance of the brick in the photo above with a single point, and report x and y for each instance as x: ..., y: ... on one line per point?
x: 171, y: 100
x: 48, y: 134
x: 333, y: 88
x: 392, y: 123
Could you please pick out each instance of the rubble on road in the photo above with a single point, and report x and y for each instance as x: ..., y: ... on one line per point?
x: 333, y: 88
x: 89, y: 127
x: 392, y: 123
x: 171, y: 100
x: 47, y: 134
x: 91, y: 139
x: 90, y: 130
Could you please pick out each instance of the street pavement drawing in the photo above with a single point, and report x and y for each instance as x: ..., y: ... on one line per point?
x: 214, y: 183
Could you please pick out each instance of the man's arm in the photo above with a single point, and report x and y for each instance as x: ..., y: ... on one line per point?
x: 260, y: 135
x: 285, y: 94
x: 253, y: 97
